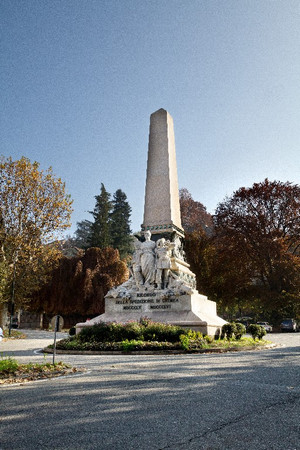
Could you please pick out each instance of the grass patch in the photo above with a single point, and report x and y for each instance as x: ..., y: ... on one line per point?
x: 244, y: 342
x: 13, y: 335
x: 11, y: 371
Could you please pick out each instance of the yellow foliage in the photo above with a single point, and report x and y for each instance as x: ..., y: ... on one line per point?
x: 34, y: 211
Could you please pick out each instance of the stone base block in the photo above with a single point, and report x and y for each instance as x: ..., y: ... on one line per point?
x: 193, y: 311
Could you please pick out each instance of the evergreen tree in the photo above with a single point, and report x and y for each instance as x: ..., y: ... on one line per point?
x: 120, y: 223
x: 101, y: 227
x: 111, y: 225
x: 83, y: 234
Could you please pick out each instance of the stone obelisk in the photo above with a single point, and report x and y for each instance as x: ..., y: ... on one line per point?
x: 162, y: 209
x: 162, y: 286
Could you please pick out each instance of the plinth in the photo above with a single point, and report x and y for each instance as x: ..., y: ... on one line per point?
x: 191, y: 310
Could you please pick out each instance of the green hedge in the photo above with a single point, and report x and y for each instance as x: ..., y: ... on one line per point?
x: 126, y: 345
x: 140, y: 331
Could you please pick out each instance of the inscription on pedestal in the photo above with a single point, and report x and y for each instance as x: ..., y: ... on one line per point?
x: 145, y: 301
x: 132, y: 307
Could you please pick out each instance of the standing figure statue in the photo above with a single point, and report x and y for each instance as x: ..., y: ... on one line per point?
x: 136, y: 263
x: 163, y: 262
x: 148, y: 259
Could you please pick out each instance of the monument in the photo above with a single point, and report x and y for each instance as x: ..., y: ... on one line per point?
x: 161, y: 286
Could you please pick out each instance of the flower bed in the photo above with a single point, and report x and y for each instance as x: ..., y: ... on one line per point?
x: 151, y: 336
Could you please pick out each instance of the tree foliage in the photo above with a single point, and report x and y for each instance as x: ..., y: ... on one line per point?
x: 119, y: 220
x: 221, y: 276
x: 193, y: 213
x: 34, y: 211
x: 100, y: 229
x: 111, y: 224
x: 82, y: 234
x: 259, y: 229
x: 251, y: 260
x: 78, y: 285
x: 200, y: 253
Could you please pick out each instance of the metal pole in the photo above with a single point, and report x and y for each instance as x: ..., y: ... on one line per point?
x: 12, y: 309
x: 56, y: 328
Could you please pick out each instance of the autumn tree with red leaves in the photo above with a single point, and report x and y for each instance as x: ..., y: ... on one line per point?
x: 258, y: 234
x: 193, y: 213
x: 79, y: 284
x: 198, y: 226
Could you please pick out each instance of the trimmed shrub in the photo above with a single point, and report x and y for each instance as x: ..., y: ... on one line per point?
x: 233, y: 330
x: 256, y: 331
x: 240, y: 329
x: 125, y: 346
x: 228, y: 330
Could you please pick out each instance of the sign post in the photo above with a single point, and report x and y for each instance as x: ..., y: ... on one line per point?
x: 57, y: 323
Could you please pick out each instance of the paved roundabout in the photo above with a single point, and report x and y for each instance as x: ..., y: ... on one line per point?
x: 243, y: 400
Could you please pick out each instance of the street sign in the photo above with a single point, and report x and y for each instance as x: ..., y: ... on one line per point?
x: 57, y: 322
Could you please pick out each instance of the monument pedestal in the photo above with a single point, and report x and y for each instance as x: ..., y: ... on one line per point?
x: 162, y: 286
x: 191, y: 310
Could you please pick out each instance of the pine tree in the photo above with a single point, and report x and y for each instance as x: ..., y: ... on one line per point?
x: 120, y: 223
x: 83, y: 234
x: 111, y: 225
x: 101, y: 227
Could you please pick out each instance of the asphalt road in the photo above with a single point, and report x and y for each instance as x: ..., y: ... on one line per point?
x: 243, y: 400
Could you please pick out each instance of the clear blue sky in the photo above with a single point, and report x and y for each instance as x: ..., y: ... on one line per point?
x: 80, y: 79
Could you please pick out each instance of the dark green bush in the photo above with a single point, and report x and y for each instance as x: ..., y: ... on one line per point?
x: 233, y: 330
x: 132, y: 331
x: 101, y: 332
x: 256, y: 331
x: 240, y: 329
x: 162, y: 332
x: 72, y: 331
x: 228, y: 330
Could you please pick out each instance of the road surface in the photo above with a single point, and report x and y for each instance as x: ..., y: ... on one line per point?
x: 240, y: 401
